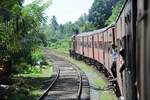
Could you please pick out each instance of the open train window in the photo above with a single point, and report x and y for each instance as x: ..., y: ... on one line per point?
x: 84, y: 44
x: 90, y: 44
x: 95, y: 44
x: 128, y: 17
x: 110, y: 34
x: 100, y: 44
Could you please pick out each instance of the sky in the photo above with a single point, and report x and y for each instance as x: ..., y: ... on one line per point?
x: 67, y: 10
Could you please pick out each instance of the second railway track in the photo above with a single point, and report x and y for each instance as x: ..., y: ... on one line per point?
x: 69, y: 83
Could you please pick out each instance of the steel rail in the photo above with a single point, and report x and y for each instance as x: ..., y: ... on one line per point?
x: 50, y: 86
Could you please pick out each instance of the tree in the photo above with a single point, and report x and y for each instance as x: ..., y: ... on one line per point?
x: 87, y: 27
x: 54, y: 23
x: 20, y: 29
x: 115, y: 12
x: 100, y: 11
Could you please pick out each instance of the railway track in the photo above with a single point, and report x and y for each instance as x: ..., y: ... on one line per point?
x: 68, y: 83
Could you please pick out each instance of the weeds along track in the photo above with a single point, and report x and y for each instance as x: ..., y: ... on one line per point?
x: 69, y: 83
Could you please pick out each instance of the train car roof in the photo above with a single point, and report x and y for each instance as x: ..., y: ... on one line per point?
x: 103, y: 29
x: 94, y: 32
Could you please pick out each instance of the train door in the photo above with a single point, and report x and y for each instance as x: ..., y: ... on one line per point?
x: 80, y: 45
x: 87, y: 46
x: 143, y: 48
x: 90, y: 47
x: 110, y: 42
x: 83, y: 46
x: 96, y: 46
x: 76, y: 48
x: 130, y: 51
x: 93, y: 47
x: 101, y: 47
x: 105, y: 50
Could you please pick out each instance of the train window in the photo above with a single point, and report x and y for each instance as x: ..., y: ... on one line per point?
x: 128, y: 17
x: 90, y: 44
x: 110, y: 34
x: 104, y: 46
x: 118, y: 43
x: 100, y: 44
x: 95, y: 45
x: 86, y: 44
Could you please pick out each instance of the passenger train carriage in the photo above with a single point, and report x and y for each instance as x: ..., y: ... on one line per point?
x: 130, y: 34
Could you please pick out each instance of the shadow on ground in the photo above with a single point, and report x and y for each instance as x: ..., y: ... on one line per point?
x: 22, y: 88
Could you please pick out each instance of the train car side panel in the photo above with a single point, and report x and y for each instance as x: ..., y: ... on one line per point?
x: 95, y: 47
x: 101, y: 37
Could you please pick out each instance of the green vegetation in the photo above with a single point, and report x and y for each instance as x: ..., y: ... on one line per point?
x: 23, y: 34
x: 62, y: 46
x: 115, y: 12
x: 23, y: 66
x: 101, y: 14
x: 107, y: 95
x: 46, y: 71
x: 20, y: 32
x: 23, y: 30
x: 27, y: 86
x: 27, y: 80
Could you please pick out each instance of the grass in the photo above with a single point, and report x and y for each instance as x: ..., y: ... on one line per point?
x: 37, y: 79
x: 27, y: 86
x: 61, y: 46
x: 96, y: 78
x: 107, y: 95
x: 43, y: 73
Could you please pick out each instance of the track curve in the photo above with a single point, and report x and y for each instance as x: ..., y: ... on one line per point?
x: 69, y: 84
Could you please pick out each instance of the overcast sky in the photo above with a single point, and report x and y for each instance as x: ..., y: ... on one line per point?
x: 67, y: 10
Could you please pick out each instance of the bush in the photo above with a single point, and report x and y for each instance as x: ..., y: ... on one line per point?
x: 38, y: 56
x: 24, y: 68
x: 37, y: 60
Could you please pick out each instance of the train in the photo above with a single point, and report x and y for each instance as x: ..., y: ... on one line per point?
x: 130, y: 37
